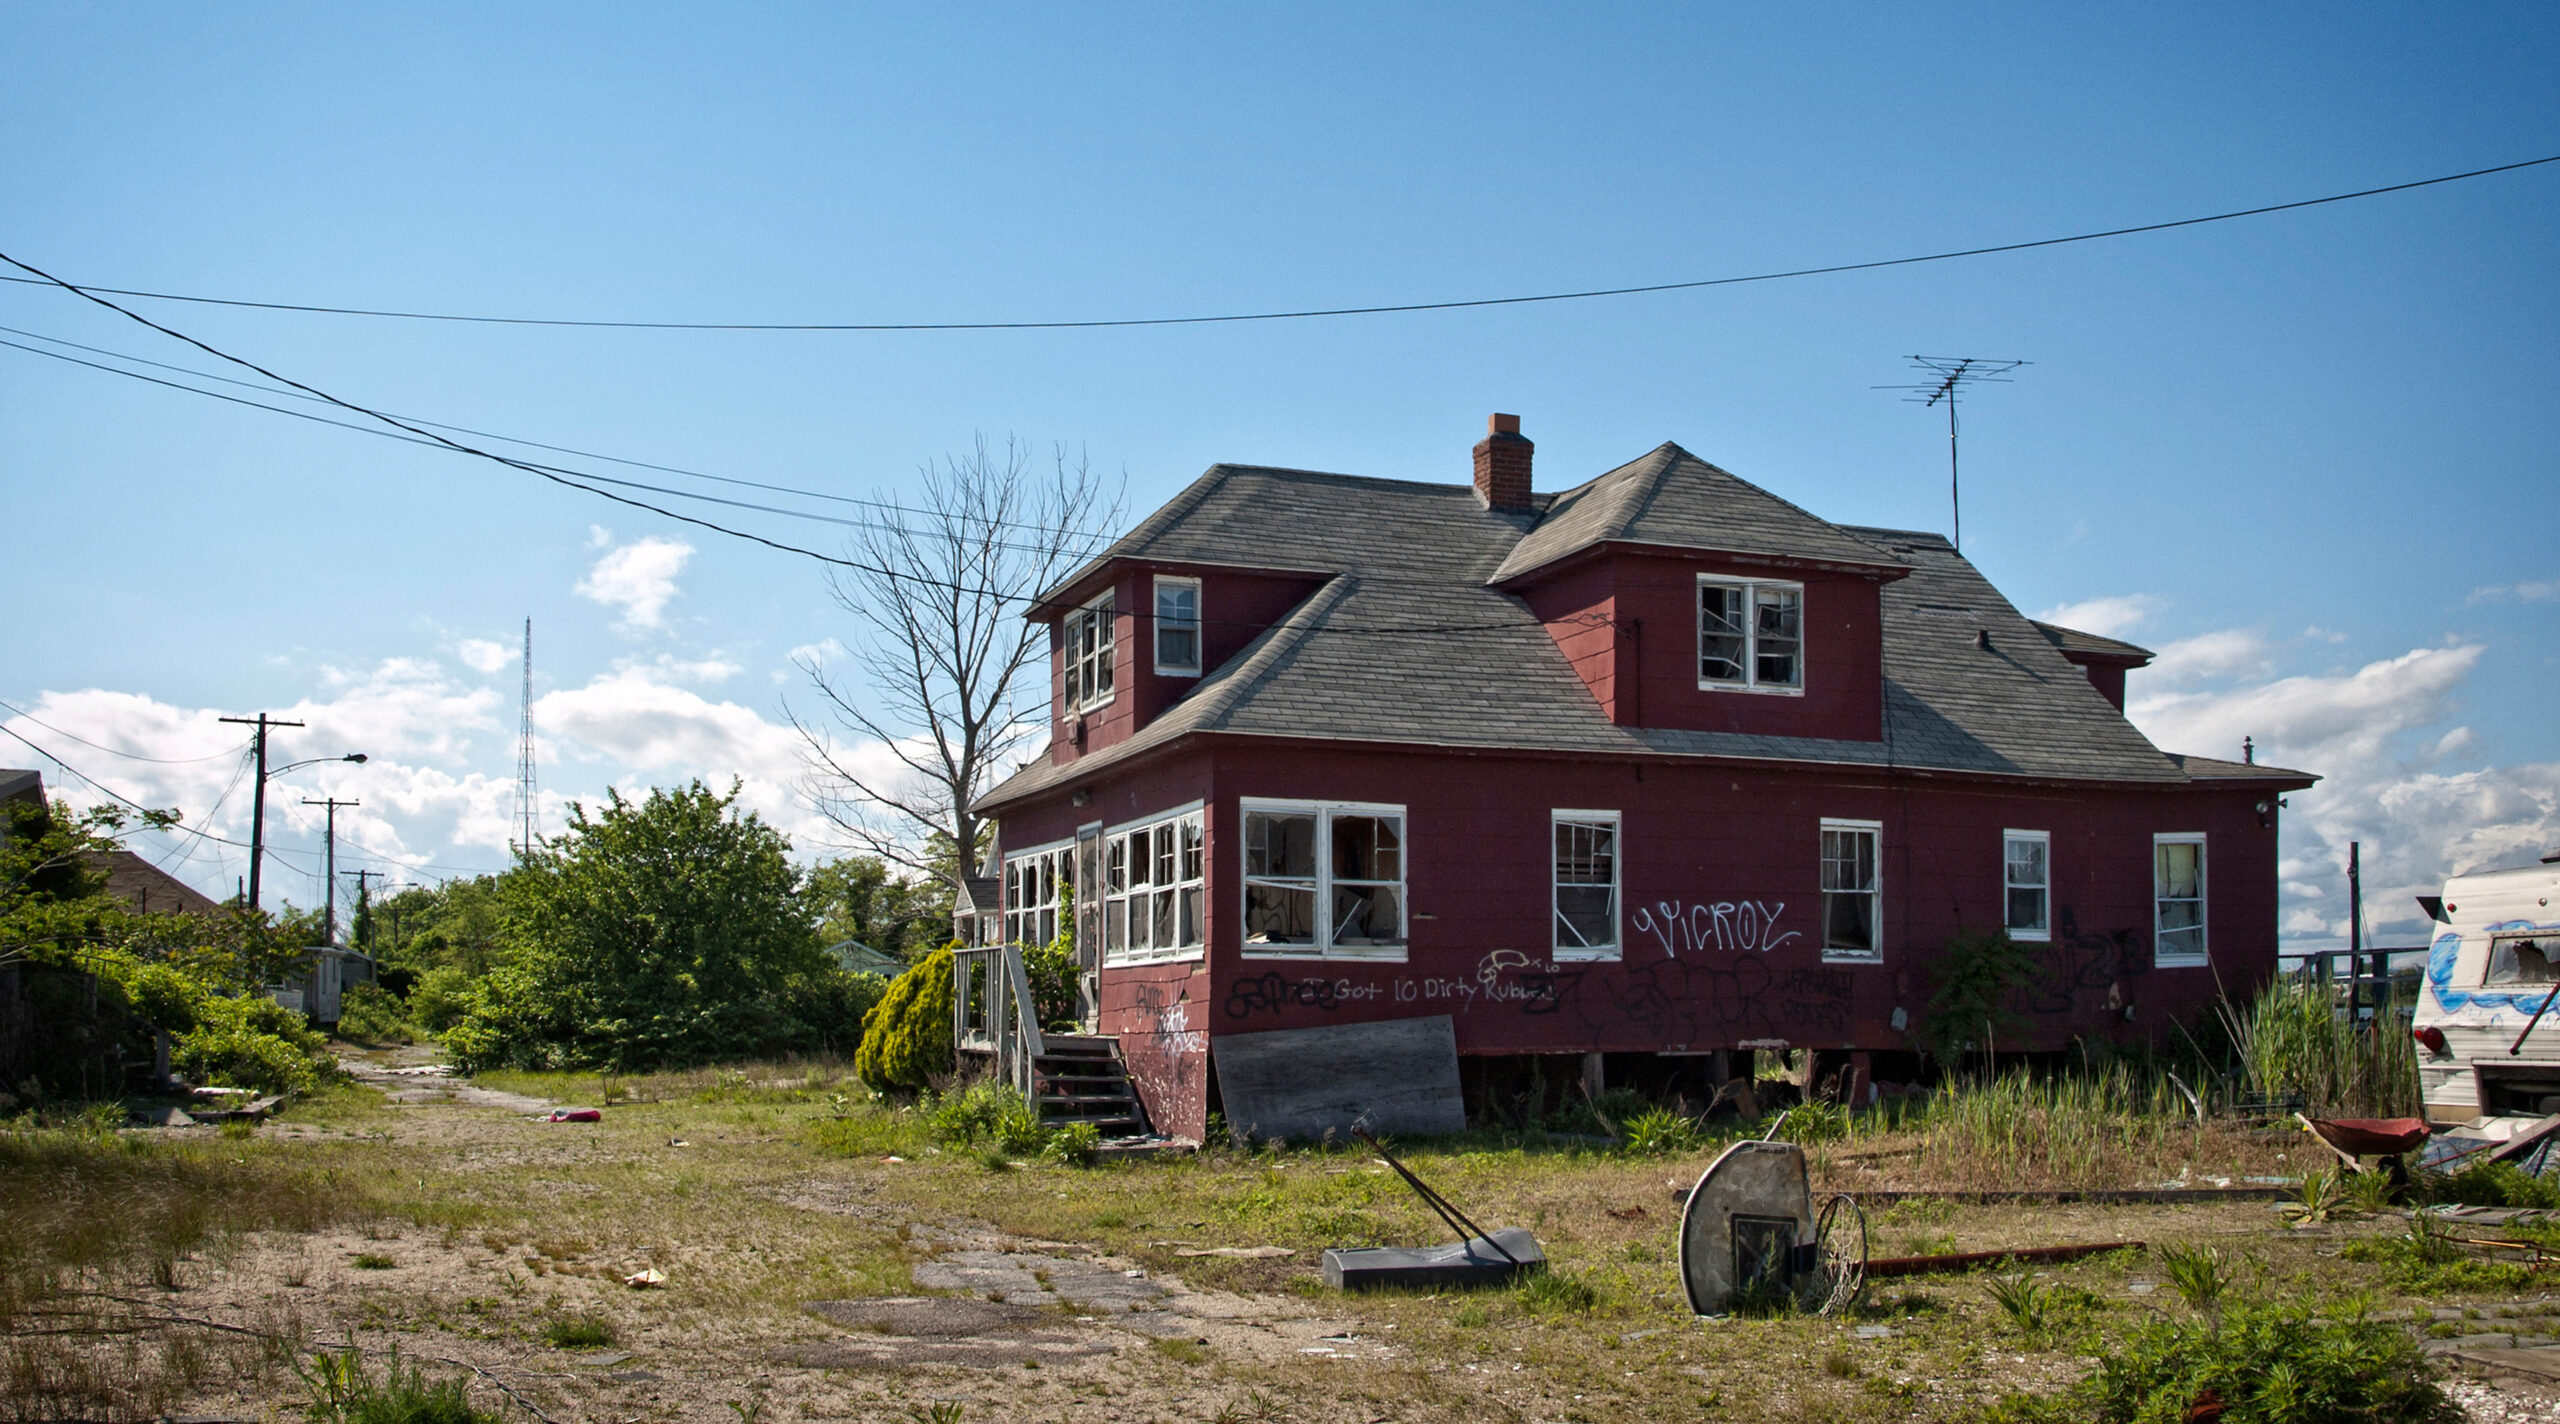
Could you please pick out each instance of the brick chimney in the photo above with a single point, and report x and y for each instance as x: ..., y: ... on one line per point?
x: 1502, y: 465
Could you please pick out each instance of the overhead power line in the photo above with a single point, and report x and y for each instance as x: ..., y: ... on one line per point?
x: 891, y: 506
x: 578, y: 479
x: 111, y: 751
x: 1306, y: 313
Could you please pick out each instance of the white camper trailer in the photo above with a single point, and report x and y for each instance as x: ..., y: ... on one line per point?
x: 2493, y: 965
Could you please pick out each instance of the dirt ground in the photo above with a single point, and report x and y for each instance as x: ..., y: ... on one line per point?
x: 805, y: 1275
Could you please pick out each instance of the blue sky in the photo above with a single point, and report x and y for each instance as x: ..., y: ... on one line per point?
x: 2308, y: 456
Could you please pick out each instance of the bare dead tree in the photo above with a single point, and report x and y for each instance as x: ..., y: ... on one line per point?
x: 942, y: 649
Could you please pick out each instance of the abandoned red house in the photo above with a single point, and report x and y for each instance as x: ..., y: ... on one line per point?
x: 1660, y: 765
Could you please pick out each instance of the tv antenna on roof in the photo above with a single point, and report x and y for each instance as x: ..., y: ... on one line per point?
x: 1947, y: 376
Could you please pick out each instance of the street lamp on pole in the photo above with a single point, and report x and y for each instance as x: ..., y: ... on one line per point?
x: 258, y: 810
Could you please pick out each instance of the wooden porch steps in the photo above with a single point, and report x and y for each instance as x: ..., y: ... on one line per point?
x: 1081, y: 1079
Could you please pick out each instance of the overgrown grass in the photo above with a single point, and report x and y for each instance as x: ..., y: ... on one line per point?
x: 2293, y: 1041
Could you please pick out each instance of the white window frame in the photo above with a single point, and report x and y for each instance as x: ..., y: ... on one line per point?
x: 1609, y: 820
x: 2204, y: 899
x: 1156, y: 637
x: 1874, y: 954
x: 1750, y: 679
x: 1324, y: 813
x: 1092, y: 643
x: 2041, y: 934
x: 1124, y: 896
x: 1029, y: 879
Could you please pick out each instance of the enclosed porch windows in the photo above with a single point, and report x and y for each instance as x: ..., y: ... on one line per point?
x: 1152, y: 877
x: 1323, y: 878
x: 1031, y: 881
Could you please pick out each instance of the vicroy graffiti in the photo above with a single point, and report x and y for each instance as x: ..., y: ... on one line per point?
x: 1735, y: 926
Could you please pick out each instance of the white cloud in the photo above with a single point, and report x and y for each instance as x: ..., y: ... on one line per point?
x: 481, y: 655
x: 2539, y: 591
x: 2373, y: 736
x: 2229, y: 652
x: 639, y: 578
x: 640, y: 719
x: 2109, y: 617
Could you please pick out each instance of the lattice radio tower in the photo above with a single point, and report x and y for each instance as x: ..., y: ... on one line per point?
x: 1947, y: 376
x: 528, y: 816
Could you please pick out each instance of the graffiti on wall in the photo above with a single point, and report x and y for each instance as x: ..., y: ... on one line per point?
x: 1734, y: 926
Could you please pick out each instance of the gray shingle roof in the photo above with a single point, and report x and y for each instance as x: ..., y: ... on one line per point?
x: 1254, y: 516
x: 1672, y: 497
x: 1407, y: 642
x: 2072, y: 640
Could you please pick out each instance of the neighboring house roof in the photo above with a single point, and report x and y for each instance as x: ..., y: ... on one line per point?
x: 1406, y: 642
x: 855, y: 957
x: 1672, y: 498
x: 20, y: 785
x: 2091, y: 645
x: 148, y: 888
x: 986, y: 896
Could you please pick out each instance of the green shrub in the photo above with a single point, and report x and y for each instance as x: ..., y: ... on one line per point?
x: 990, y: 1113
x: 344, y: 1392
x: 1973, y: 988
x: 2267, y: 1361
x: 253, y: 1043
x: 369, y: 1013
x: 906, y: 1038
x: 440, y: 998
x: 2495, y: 1184
x: 167, y: 999
x: 834, y: 1003
x: 1657, y: 1132
x: 1053, y: 973
x: 1072, y: 1145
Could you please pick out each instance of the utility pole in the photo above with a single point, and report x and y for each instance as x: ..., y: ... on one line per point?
x: 2355, y: 932
x: 363, y: 905
x: 258, y: 811
x: 528, y: 815
x: 329, y: 920
x: 1953, y: 373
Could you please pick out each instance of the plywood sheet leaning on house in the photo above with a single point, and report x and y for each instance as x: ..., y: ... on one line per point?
x: 1398, y: 1077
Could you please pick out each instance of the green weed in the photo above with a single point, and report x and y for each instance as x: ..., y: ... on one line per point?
x: 1659, y: 1132
x: 2199, y: 1274
x: 582, y: 1332
x: 343, y: 1391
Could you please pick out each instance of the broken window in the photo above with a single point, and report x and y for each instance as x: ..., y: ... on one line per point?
x: 1031, y: 882
x: 1324, y: 877
x: 2028, y: 874
x: 2521, y: 960
x: 1178, y: 626
x: 2177, y: 890
x: 1852, y: 894
x: 1750, y: 635
x: 1151, y: 884
x: 1089, y: 633
x: 1586, y: 884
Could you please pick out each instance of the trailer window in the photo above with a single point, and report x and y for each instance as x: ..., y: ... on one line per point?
x: 2520, y: 961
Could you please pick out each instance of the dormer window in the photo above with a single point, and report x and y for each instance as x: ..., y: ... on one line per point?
x: 1089, y: 645
x: 1177, y: 627
x: 1750, y: 635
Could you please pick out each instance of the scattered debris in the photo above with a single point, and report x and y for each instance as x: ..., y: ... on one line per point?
x: 604, y: 1361
x: 1480, y: 1257
x: 1628, y: 1213
x: 1244, y: 1253
x: 650, y: 1279
x: 575, y: 1115
x: 1749, y: 1235
x: 1967, y: 1260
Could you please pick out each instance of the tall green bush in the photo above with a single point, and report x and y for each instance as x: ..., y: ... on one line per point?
x: 653, y: 934
x: 1973, y: 986
x: 906, y: 1038
x: 252, y: 1043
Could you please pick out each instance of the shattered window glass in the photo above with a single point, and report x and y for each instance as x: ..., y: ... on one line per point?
x: 1720, y: 635
x: 1154, y: 890
x: 1586, y: 884
x: 2521, y: 961
x: 1750, y: 634
x: 1330, y: 879
x: 1851, y: 904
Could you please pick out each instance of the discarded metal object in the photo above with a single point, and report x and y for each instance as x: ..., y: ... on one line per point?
x: 1480, y: 1257
x: 2371, y: 1136
x: 575, y: 1115
x: 1967, y: 1260
x: 1750, y: 1235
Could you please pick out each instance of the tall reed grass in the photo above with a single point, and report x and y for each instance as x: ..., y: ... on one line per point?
x: 2293, y: 1041
x: 2101, y: 1126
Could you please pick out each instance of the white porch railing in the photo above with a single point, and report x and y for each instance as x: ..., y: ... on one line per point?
x: 992, y: 1012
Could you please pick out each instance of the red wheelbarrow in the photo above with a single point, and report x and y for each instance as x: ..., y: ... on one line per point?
x: 2357, y: 1137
